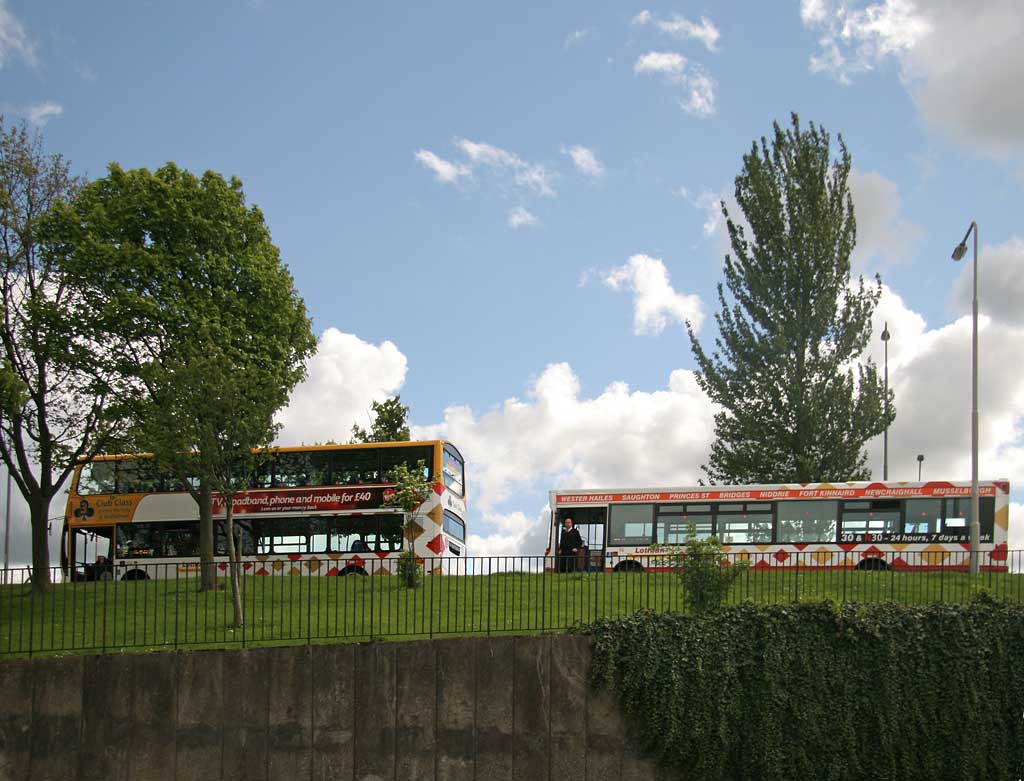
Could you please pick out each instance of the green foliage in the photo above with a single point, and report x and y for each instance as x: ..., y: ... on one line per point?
x: 200, y: 315
x: 792, y: 408
x: 53, y: 407
x: 811, y: 690
x: 411, y: 490
x: 706, y: 572
x: 390, y: 423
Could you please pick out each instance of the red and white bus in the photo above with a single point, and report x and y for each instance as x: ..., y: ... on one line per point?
x: 316, y: 510
x: 863, y: 525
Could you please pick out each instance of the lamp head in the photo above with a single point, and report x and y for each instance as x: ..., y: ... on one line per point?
x: 960, y: 251
x: 885, y: 333
x: 920, y: 458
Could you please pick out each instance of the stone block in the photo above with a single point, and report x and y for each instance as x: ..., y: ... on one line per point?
x: 495, y: 707
x: 456, y: 708
x: 246, y: 674
x: 15, y: 719
x: 333, y: 702
x: 290, y: 720
x: 106, y: 717
x: 417, y: 714
x: 56, y: 716
x: 200, y: 714
x: 154, y: 708
x: 531, y: 743
x: 375, y: 704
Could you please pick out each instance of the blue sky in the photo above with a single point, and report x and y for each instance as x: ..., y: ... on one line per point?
x: 459, y: 190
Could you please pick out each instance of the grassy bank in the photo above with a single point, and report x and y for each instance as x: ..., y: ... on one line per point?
x: 161, y: 614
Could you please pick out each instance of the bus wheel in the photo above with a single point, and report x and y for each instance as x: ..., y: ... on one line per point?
x: 628, y: 566
x: 873, y: 564
x: 135, y: 574
x: 351, y: 570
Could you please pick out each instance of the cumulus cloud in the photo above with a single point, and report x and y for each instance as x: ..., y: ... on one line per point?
x: 41, y: 113
x: 681, y: 27
x: 15, y: 42
x: 960, y: 61
x: 445, y: 171
x: 660, y: 62
x: 520, y: 217
x: 882, y: 232
x: 554, y: 437
x: 585, y: 160
x: 655, y: 301
x: 1000, y: 282
x: 344, y: 377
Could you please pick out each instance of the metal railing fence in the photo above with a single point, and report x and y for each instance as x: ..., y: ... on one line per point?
x: 289, y: 602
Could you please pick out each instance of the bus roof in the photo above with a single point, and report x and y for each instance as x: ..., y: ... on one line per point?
x: 297, y: 449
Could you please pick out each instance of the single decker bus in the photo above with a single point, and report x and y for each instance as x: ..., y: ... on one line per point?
x: 859, y: 525
x: 317, y: 510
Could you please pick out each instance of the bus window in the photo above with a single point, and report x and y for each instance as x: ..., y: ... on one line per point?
x: 356, y: 467
x: 866, y: 517
x: 813, y: 521
x: 97, y: 477
x: 749, y: 527
x: 292, y: 535
x: 674, y: 525
x: 158, y: 540
x: 454, y: 471
x: 349, y: 534
x: 319, y: 467
x: 390, y: 457
x: 391, y: 533
x: 923, y: 516
x: 262, y: 477
x: 292, y: 470
x: 454, y: 527
x: 139, y: 476
x: 631, y: 524
x: 243, y: 529
x: 957, y: 519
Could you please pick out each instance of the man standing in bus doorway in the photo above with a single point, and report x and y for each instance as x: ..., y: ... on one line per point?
x: 569, y: 545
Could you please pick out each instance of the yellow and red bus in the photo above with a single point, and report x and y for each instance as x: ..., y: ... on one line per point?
x: 308, y: 510
x: 860, y: 525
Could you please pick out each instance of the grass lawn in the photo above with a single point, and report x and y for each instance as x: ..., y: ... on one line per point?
x: 166, y: 614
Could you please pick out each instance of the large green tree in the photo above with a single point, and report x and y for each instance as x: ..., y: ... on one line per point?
x: 54, y: 408
x: 798, y: 401
x: 201, y: 316
x: 390, y: 423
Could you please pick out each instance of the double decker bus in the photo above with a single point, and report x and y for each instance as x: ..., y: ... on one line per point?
x: 860, y: 525
x: 316, y: 510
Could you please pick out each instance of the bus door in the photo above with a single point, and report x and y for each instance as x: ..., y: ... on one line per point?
x: 91, y: 551
x: 591, y: 523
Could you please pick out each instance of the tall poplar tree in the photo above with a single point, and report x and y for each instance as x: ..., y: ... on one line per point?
x: 798, y: 402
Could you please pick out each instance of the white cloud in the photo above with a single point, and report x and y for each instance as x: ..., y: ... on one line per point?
x: 882, y: 233
x: 517, y: 534
x: 556, y: 438
x: 655, y: 301
x: 520, y: 217
x: 15, y: 42
x: 641, y: 18
x: 711, y: 204
x: 700, y: 102
x: 576, y: 36
x: 660, y: 62
x: 344, y: 377
x: 1000, y: 281
x: 444, y: 170
x: 681, y: 27
x: 960, y: 61
x: 585, y: 160
x: 41, y: 113
x: 531, y: 176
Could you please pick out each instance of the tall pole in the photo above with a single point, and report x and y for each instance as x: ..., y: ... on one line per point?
x: 885, y: 434
x: 975, y: 526
x: 975, y: 518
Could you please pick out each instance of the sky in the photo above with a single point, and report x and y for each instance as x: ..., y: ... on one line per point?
x: 506, y: 214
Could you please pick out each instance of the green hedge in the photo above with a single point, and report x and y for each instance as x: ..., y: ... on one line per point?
x: 817, y: 691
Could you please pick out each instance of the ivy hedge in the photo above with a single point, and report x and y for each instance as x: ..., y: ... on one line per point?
x: 812, y: 690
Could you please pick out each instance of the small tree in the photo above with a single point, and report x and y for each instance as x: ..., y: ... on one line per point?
x: 390, y: 423
x: 706, y: 573
x: 54, y: 407
x: 412, y: 489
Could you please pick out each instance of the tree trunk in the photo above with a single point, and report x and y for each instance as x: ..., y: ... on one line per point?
x: 207, y: 567
x: 39, y: 512
x: 236, y: 590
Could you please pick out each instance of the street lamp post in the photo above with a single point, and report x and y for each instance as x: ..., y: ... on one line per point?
x: 885, y: 434
x: 975, y: 528
x: 920, y: 460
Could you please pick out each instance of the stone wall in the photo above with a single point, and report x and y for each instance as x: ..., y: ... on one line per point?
x: 487, y: 708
